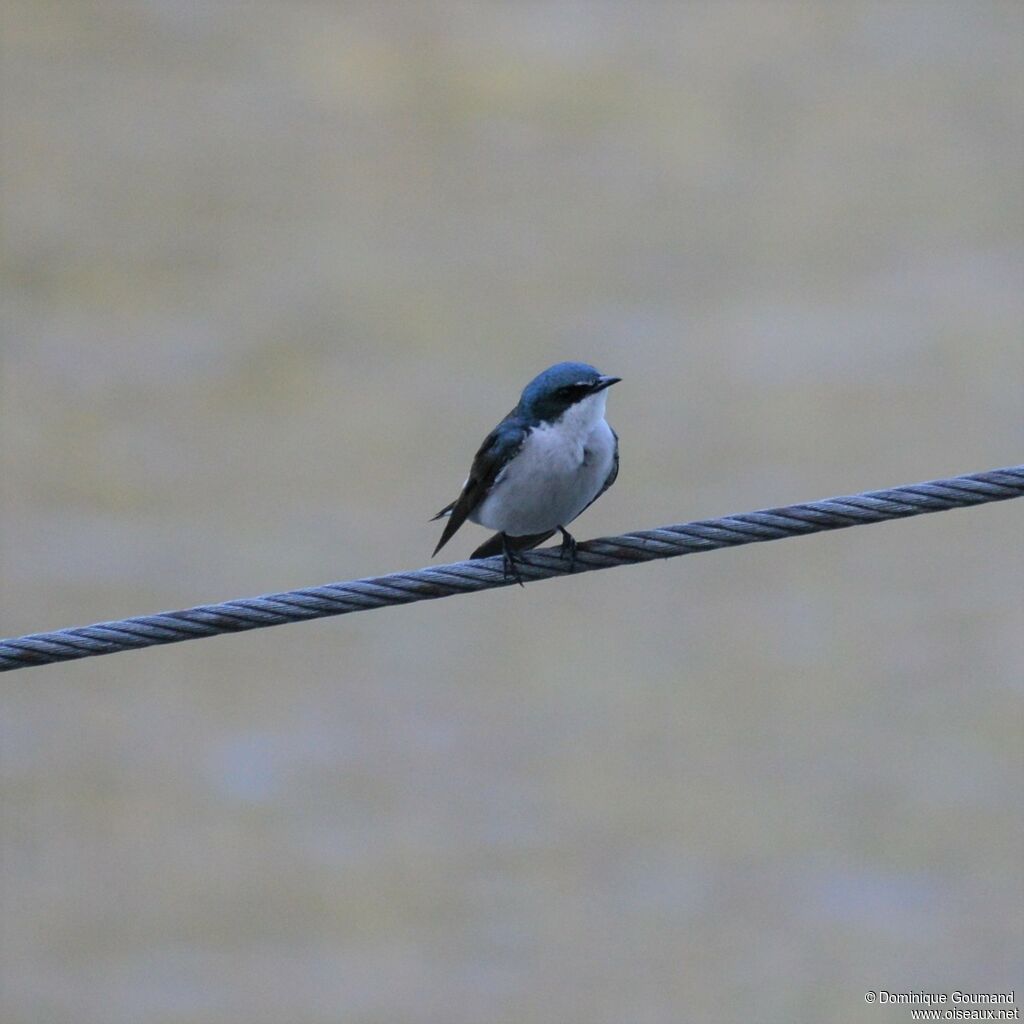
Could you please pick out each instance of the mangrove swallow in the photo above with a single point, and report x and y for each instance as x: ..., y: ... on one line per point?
x: 550, y: 458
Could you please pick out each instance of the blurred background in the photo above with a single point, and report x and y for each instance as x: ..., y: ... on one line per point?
x: 271, y: 271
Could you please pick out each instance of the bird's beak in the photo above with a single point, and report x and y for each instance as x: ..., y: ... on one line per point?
x: 605, y: 382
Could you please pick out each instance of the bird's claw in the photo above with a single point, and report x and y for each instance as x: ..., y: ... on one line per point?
x: 508, y: 563
x: 568, y: 548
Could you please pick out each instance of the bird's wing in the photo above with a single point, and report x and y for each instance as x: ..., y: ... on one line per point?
x: 500, y: 445
x: 612, y: 474
x: 499, y: 542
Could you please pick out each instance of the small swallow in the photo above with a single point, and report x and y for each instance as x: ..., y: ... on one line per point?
x: 550, y: 458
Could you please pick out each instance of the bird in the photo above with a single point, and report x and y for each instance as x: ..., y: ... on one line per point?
x: 549, y: 459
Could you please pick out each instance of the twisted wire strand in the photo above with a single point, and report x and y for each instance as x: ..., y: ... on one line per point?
x: 486, y: 573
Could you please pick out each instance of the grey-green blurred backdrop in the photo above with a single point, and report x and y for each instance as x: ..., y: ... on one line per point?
x: 271, y: 270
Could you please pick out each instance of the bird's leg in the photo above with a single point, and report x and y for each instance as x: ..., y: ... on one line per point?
x: 509, y: 567
x: 568, y: 548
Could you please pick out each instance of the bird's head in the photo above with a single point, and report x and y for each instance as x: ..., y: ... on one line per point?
x: 561, y: 387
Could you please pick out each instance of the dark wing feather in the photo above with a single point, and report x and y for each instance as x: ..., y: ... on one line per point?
x: 494, y: 546
x: 499, y: 446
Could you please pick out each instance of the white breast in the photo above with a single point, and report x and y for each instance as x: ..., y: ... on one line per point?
x: 559, y: 470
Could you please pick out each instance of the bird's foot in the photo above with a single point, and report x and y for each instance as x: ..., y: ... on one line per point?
x: 509, y: 560
x: 568, y: 548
